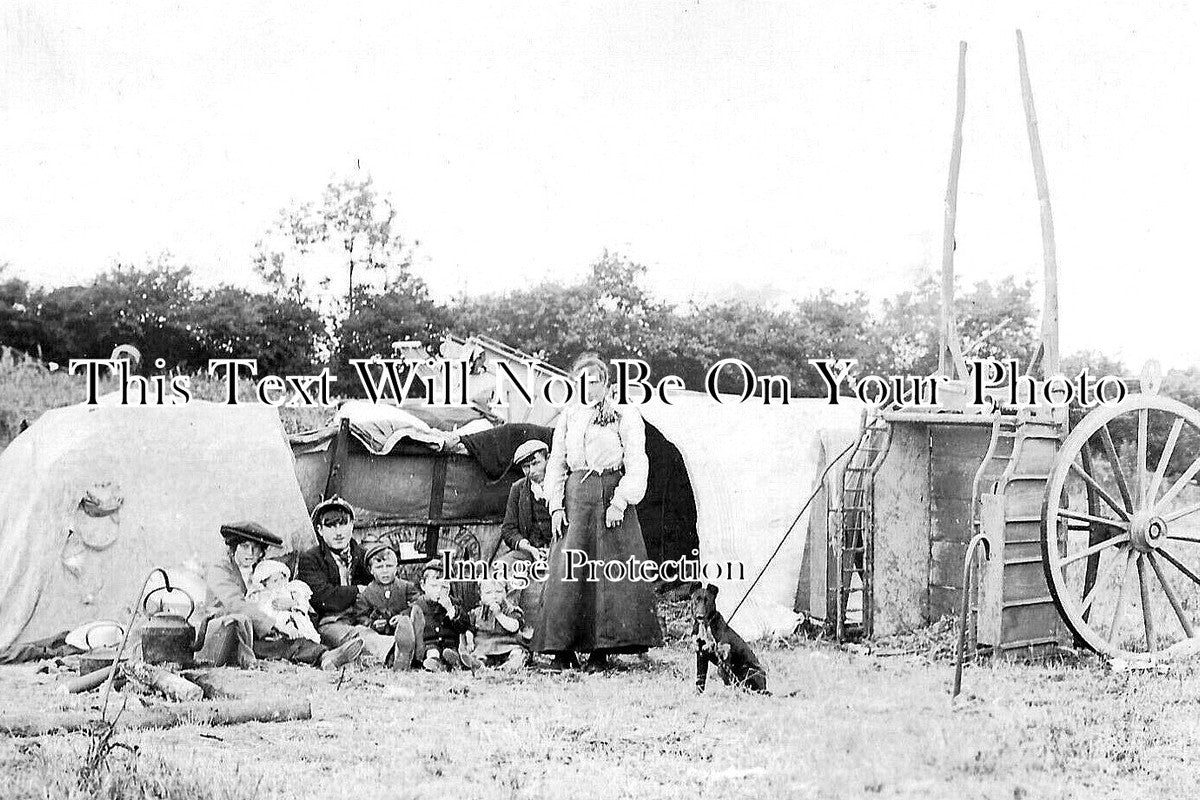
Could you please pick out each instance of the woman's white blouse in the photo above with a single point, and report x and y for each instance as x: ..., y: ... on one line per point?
x: 580, y: 444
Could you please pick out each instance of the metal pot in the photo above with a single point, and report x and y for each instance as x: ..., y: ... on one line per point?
x: 168, y: 637
x: 96, y: 658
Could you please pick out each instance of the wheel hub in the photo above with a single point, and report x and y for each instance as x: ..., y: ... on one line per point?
x: 1146, y: 532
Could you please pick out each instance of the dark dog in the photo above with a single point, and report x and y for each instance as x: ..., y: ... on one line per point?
x: 717, y: 643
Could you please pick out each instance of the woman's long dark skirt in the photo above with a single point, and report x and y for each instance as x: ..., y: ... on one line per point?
x: 606, y: 616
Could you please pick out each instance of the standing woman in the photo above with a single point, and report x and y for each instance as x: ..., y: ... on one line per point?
x: 595, y: 477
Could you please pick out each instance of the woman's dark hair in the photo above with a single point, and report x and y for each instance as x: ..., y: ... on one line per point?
x: 233, y: 541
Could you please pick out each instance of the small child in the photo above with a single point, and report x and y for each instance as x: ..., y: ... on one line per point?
x: 495, y: 635
x: 387, y: 605
x: 284, y: 600
x: 444, y: 622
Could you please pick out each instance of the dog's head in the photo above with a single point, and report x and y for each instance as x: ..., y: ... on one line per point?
x: 704, y: 600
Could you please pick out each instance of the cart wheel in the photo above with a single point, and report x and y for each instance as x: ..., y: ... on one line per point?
x: 1126, y: 578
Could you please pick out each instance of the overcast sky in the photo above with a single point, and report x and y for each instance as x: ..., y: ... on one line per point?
x: 779, y: 146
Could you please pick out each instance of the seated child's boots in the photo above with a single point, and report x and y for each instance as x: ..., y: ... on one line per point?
x: 451, y: 658
x: 405, y: 646
x: 433, y: 662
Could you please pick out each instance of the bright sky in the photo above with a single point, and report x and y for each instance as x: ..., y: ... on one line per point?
x: 778, y: 146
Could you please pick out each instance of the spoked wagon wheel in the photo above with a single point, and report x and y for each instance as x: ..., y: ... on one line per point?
x: 1120, y: 535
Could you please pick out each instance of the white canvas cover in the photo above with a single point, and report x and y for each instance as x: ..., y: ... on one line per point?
x: 92, y: 498
x: 752, y: 466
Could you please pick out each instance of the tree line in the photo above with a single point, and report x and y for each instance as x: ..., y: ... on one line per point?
x: 341, y: 285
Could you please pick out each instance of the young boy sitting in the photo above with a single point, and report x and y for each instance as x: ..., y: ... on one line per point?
x: 495, y: 635
x: 444, y: 623
x: 387, y: 605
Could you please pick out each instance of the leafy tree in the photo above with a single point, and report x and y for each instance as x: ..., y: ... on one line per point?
x: 314, y: 249
x: 379, y: 320
x: 609, y: 312
x: 995, y: 320
x: 20, y: 328
x: 280, y: 332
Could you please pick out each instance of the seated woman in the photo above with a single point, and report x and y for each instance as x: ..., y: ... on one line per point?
x: 237, y: 631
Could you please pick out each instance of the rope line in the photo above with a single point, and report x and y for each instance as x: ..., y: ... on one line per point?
x: 820, y: 483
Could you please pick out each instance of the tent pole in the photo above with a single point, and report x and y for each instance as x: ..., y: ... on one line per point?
x: 1050, y: 364
x: 948, y: 335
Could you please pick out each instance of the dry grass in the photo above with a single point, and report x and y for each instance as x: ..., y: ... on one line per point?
x: 858, y: 726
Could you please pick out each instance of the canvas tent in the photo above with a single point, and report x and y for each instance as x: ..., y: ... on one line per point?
x: 751, y: 468
x: 92, y: 498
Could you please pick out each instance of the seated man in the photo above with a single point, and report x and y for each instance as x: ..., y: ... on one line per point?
x: 237, y: 631
x: 526, y: 527
x: 336, y: 571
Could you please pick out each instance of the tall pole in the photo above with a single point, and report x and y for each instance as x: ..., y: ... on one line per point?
x: 1050, y: 303
x: 948, y: 346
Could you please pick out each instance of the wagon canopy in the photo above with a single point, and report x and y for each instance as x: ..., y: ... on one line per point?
x: 92, y: 498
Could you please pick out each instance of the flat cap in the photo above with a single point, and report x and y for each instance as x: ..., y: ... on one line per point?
x: 249, y: 532
x: 377, y: 548
x: 333, y: 503
x: 527, y: 449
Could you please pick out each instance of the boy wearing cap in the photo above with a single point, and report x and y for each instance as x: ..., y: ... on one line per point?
x: 237, y: 630
x: 526, y: 527
x: 387, y: 605
x: 335, y: 570
x: 444, y: 622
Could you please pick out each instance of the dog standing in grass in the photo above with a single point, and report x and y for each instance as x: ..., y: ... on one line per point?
x: 719, y: 644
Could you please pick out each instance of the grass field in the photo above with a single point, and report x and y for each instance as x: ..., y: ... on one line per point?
x: 858, y: 726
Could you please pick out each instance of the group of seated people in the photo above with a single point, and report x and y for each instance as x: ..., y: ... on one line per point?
x: 348, y: 604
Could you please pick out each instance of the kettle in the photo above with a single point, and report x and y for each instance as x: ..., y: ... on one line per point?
x: 168, y: 637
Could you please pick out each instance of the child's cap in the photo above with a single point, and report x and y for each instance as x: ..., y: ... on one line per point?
x: 433, y: 565
x: 267, y: 567
x: 377, y: 548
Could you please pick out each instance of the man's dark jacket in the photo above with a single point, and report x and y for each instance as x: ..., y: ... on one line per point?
x: 525, y: 518
x: 318, y: 568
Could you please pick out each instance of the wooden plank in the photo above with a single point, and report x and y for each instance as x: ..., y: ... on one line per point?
x: 1023, y: 581
x: 946, y: 563
x: 900, y: 598
x: 1030, y: 622
x: 991, y: 581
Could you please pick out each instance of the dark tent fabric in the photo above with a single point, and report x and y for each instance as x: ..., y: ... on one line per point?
x: 667, y: 513
x: 494, y: 449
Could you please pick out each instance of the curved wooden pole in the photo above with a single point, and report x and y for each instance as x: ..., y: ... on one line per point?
x: 1049, y: 256
x: 950, y: 357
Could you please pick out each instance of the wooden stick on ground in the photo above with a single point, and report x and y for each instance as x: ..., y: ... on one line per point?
x: 85, y: 683
x: 167, y: 683
x: 227, y: 713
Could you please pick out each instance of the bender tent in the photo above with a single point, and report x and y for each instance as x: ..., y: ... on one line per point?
x: 751, y: 468
x: 92, y: 498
